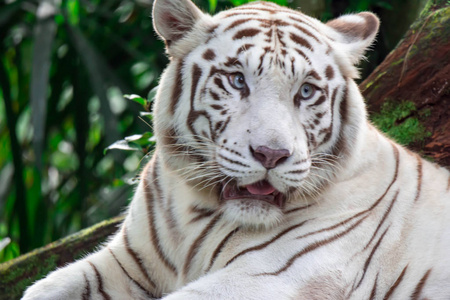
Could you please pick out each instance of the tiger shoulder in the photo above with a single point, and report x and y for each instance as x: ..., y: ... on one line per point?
x: 268, y: 181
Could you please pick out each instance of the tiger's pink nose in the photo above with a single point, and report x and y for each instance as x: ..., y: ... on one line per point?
x: 268, y: 157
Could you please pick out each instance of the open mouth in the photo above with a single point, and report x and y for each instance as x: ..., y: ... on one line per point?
x: 259, y: 191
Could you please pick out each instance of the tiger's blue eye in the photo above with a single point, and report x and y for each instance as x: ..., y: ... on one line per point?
x: 307, y: 91
x: 237, y: 81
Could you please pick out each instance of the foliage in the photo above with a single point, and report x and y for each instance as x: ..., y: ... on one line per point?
x: 400, y: 121
x: 63, y: 70
x: 64, y: 66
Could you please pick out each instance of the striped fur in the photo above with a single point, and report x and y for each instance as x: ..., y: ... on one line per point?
x: 353, y: 215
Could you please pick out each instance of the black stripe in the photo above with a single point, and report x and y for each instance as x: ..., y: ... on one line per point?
x: 209, y: 54
x: 233, y: 151
x: 303, y: 22
x: 307, y: 32
x: 219, y: 83
x: 224, y: 126
x: 329, y: 228
x: 235, y: 162
x: 300, y: 41
x: 99, y: 282
x: 293, y: 65
x: 265, y: 244
x: 220, y: 247
x: 168, y: 213
x: 386, y: 213
x: 87, y: 288
x: 320, y: 101
x: 196, y: 74
x: 197, y: 243
x: 295, y: 209
x: 244, y: 48
x: 342, y: 144
x: 303, y: 55
x: 129, y: 276
x: 214, y: 95
x: 314, y: 75
x: 299, y: 171
x: 329, y: 72
x: 312, y: 247
x: 202, y: 213
x: 420, y: 285
x: 237, y: 23
x: 248, y: 32
x: 137, y: 259
x: 419, y: 177
x: 373, y: 293
x: 395, y: 285
x: 329, y: 130
x: 154, y: 238
x: 177, y: 87
x: 193, y: 114
x: 369, y: 258
x: 394, y: 178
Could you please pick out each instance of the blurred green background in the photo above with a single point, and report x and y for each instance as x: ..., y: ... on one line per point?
x: 64, y: 68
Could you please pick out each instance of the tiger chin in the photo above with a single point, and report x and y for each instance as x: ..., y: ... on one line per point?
x: 268, y: 181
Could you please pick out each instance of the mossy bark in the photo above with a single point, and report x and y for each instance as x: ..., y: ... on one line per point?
x: 16, y: 275
x: 417, y: 72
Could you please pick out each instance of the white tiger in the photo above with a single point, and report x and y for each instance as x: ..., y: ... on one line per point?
x: 267, y: 181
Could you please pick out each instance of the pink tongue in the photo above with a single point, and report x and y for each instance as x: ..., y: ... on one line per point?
x: 260, y: 188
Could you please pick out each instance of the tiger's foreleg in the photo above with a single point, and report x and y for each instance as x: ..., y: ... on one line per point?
x: 102, y: 275
x: 123, y: 269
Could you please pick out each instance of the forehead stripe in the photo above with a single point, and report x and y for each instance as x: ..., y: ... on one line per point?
x: 300, y: 41
x: 303, y: 55
x: 244, y: 48
x: 307, y: 32
x: 249, y: 32
x: 314, y: 75
x: 237, y: 23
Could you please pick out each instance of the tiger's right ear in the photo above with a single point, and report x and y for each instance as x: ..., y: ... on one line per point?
x: 173, y: 19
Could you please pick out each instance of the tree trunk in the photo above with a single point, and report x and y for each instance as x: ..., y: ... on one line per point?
x: 408, y: 95
x: 16, y: 275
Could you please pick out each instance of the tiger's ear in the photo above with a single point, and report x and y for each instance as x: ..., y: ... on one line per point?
x: 173, y: 19
x: 354, y: 33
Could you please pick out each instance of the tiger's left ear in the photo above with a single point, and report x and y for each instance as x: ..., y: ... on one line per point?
x: 354, y: 33
x: 173, y: 19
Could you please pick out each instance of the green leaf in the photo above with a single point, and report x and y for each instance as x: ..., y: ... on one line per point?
x: 146, y: 114
x: 44, y: 35
x: 4, y: 242
x: 212, y: 5
x: 140, y: 139
x: 136, y: 98
x: 122, y: 145
x: 73, y: 11
x: 152, y: 94
x: 97, y: 70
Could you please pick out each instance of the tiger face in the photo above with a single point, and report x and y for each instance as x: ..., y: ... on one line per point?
x: 254, y: 103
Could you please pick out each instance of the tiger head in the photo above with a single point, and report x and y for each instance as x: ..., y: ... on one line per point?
x: 258, y: 104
